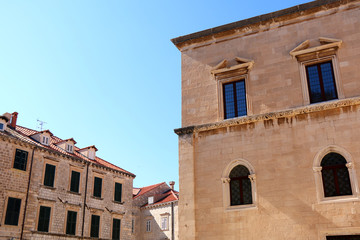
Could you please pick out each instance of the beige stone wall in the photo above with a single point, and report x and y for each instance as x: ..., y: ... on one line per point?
x: 281, y: 149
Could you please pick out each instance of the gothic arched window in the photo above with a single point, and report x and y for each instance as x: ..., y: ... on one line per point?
x: 240, y: 186
x: 335, y: 175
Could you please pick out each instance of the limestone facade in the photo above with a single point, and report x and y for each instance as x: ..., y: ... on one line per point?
x: 31, y: 186
x: 283, y: 137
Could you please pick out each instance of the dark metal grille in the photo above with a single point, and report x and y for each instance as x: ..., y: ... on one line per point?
x: 335, y: 175
x: 12, y: 211
x: 49, y: 175
x: 95, y: 226
x: 321, y: 82
x: 240, y: 186
x: 75, y: 181
x: 20, y: 159
x: 234, y: 99
x: 116, y: 229
x: 44, y: 219
x: 118, y: 192
x: 97, y: 187
x: 348, y: 237
x: 71, y: 223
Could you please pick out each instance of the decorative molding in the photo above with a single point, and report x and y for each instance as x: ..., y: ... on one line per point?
x: 349, y: 165
x: 326, y: 44
x: 317, y: 169
x: 252, y: 177
x: 225, y: 180
x: 269, y: 116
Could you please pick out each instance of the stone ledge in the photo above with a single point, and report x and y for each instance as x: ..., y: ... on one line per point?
x: 268, y: 116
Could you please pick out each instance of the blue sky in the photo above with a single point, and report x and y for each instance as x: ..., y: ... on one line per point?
x: 106, y: 73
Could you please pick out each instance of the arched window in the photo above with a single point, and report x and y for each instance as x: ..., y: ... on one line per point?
x: 335, y: 175
x: 240, y: 186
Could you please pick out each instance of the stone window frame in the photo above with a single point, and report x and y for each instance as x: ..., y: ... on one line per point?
x: 119, y: 217
x: 17, y: 195
x: 310, y: 56
x: 148, y: 220
x: 44, y: 203
x: 74, y: 209
x: 164, y: 216
x: 27, y: 160
x: 318, y: 176
x: 98, y: 175
x: 54, y: 163
x: 98, y: 212
x: 81, y: 171
x: 338, y: 232
x: 122, y: 182
x: 225, y: 180
x: 223, y: 74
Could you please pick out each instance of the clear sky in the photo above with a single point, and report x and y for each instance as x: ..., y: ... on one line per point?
x: 105, y: 72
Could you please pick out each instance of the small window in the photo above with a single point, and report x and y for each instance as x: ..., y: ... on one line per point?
x: 240, y: 186
x: 95, y: 226
x: 12, y: 211
x: 69, y: 148
x: 49, y: 176
x: 344, y: 237
x: 45, y: 140
x: 148, y: 226
x: 118, y: 192
x: 20, y: 161
x: 335, y: 175
x: 75, y: 181
x: 321, y: 82
x: 116, y: 229
x: 97, y: 187
x: 44, y: 219
x: 132, y: 225
x: 164, y: 223
x: 71, y: 223
x: 234, y: 94
x: 1, y: 127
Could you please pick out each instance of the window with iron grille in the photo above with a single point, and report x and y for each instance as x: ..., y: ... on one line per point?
x: 97, y: 187
x: 240, y: 186
x: 44, y: 219
x: 20, y: 160
x: 12, y: 211
x: 49, y: 176
x: 116, y: 229
x: 95, y: 226
x: 234, y: 95
x: 71, y: 223
x: 321, y: 82
x: 75, y: 181
x: 344, y: 237
x: 335, y: 175
x: 118, y: 192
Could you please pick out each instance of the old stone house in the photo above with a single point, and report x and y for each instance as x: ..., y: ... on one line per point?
x: 156, y: 209
x: 269, y: 142
x: 52, y: 189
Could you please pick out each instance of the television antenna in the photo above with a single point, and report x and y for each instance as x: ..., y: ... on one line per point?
x: 40, y: 124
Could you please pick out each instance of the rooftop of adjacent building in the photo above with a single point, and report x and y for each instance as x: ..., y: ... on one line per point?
x: 167, y: 196
x: 24, y: 134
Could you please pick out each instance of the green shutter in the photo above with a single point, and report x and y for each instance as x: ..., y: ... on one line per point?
x: 118, y: 192
x: 49, y: 175
x: 44, y: 219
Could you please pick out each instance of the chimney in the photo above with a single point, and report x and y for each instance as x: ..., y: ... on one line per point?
x: 172, y: 183
x: 13, y: 120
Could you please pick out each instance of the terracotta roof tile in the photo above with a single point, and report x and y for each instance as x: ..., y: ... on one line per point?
x: 144, y: 190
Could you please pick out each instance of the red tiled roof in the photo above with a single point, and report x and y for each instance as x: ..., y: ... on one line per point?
x: 169, y: 196
x: 144, y: 190
x: 24, y: 134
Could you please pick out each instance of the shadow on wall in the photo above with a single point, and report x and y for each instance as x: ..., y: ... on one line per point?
x: 156, y: 233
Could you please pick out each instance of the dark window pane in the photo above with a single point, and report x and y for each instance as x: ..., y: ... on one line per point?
x: 335, y: 175
x: 97, y: 187
x: 95, y: 225
x: 116, y: 229
x: 20, y: 159
x: 240, y: 186
x: 234, y: 99
x: 71, y: 223
x: 75, y: 181
x: 349, y: 237
x: 239, y: 171
x: 247, y: 194
x: 44, y: 219
x: 12, y: 211
x: 118, y: 190
x: 328, y: 80
x: 49, y: 175
x: 235, y: 192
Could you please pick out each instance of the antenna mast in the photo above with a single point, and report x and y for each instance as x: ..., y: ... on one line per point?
x: 41, y: 124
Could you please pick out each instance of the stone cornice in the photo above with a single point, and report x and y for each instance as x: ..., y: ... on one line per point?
x: 268, y: 116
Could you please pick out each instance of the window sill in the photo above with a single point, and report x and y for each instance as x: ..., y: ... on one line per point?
x: 117, y: 202
x: 98, y: 198
x: 48, y: 187
x: 18, y: 170
x: 75, y: 193
x: 241, y: 208
x: 339, y: 199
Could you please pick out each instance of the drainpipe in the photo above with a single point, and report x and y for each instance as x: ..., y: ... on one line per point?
x: 172, y: 222
x: 86, y: 183
x: 27, y: 194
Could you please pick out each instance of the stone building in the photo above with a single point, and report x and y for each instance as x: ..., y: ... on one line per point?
x: 156, y: 209
x: 51, y: 189
x: 269, y: 143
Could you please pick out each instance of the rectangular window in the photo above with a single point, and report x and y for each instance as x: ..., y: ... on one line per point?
x: 45, y: 140
x: 20, y: 159
x: 95, y: 226
x: 148, y: 226
x: 69, y: 148
x: 44, y: 219
x: 116, y: 229
x: 49, y: 176
x: 75, y: 181
x: 164, y: 223
x: 1, y: 126
x: 71, y: 223
x: 321, y: 82
x: 132, y: 225
x: 97, y: 187
x: 234, y: 94
x: 118, y: 192
x: 344, y: 237
x: 12, y: 211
